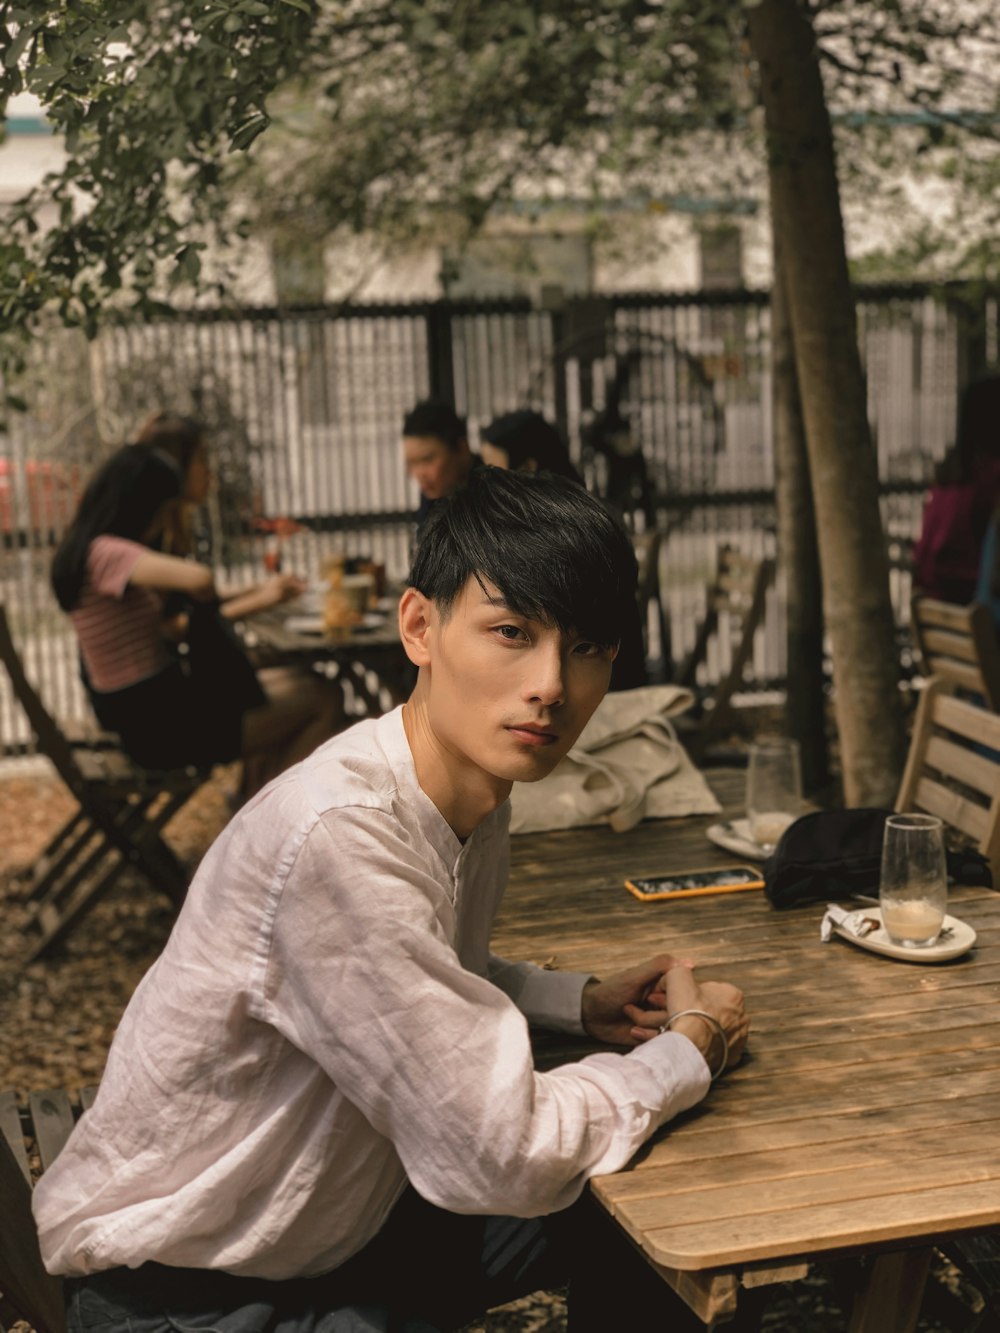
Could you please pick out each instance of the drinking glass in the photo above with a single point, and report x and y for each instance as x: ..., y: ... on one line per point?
x: 774, y: 789
x: 913, y: 887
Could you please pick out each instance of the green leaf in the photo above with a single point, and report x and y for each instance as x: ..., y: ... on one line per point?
x: 244, y: 134
x: 188, y: 264
x: 18, y: 46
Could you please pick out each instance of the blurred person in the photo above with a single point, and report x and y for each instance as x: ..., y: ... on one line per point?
x: 171, y: 709
x: 183, y: 440
x: 525, y: 441
x: 436, y: 451
x: 966, y: 489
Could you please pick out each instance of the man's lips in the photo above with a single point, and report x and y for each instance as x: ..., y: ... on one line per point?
x: 531, y: 734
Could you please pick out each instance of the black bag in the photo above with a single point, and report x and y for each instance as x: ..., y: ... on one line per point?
x: 836, y: 853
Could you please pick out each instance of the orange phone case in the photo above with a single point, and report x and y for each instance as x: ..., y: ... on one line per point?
x: 697, y: 891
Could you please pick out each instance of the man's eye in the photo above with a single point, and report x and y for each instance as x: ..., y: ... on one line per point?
x: 510, y: 632
x: 587, y: 649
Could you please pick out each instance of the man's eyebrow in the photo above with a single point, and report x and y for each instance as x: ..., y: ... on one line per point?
x: 499, y: 602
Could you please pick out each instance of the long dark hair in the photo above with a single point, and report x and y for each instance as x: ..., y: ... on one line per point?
x: 123, y: 498
x: 173, y: 434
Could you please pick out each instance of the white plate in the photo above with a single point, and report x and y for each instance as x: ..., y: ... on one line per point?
x: 959, y: 941
x: 310, y: 602
x: 305, y: 625
x: 734, y: 835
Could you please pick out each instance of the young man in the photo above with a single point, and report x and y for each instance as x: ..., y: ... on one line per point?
x: 321, y: 1103
x: 436, y: 451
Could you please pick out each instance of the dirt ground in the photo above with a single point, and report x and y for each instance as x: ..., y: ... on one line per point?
x: 58, y: 1016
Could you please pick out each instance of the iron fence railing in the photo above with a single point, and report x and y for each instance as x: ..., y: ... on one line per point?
x: 665, y: 401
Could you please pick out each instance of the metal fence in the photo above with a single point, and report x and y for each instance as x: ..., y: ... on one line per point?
x: 665, y: 402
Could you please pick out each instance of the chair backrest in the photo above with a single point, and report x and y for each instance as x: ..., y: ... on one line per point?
x: 31, y: 1292
x: 958, y: 643
x: 953, y: 768
x: 50, y: 739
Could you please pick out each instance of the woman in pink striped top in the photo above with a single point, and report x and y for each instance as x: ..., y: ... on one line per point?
x: 172, y: 708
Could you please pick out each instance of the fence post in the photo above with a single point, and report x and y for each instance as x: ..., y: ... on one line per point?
x: 440, y: 362
x: 970, y: 318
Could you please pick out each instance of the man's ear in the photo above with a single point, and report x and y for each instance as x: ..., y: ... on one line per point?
x: 415, y: 614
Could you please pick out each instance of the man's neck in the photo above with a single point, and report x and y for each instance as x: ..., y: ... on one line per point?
x: 464, y: 794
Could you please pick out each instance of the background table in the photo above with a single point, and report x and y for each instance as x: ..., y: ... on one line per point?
x: 865, y: 1116
x: 371, y: 661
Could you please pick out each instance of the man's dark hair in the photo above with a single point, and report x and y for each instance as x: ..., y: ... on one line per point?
x: 437, y: 420
x: 553, y: 551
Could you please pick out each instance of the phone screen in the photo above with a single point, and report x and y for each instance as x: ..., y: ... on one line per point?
x: 691, y: 882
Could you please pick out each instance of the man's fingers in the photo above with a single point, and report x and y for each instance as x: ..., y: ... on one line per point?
x: 681, y: 989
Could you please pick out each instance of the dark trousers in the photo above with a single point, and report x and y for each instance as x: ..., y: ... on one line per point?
x: 427, y: 1271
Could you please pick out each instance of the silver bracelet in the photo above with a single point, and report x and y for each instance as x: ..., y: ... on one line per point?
x: 710, y: 1018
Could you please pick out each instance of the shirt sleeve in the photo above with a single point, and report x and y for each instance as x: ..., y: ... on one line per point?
x: 110, y: 562
x: 362, y: 977
x: 547, y: 999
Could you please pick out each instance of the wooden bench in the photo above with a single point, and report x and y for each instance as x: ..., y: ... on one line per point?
x: 31, y: 1136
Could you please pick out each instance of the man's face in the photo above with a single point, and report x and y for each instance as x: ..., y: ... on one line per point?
x: 435, y: 466
x: 504, y: 693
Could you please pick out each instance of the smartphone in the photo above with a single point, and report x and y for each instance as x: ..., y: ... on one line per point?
x: 692, y: 883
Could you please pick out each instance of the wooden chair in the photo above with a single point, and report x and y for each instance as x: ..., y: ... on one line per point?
x: 27, y: 1291
x: 735, y: 604
x: 122, y: 810
x: 958, y: 643
x: 953, y: 768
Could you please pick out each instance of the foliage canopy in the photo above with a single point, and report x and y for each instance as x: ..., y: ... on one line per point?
x: 384, y: 109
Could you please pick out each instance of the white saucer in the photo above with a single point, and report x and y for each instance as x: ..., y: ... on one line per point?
x: 734, y: 835
x: 959, y: 941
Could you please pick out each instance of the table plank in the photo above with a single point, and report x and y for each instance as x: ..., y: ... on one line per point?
x: 858, y: 1066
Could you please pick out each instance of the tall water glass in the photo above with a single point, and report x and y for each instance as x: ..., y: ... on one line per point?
x: 913, y: 888
x: 774, y: 789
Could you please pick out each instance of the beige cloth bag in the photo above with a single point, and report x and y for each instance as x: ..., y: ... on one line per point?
x: 627, y: 765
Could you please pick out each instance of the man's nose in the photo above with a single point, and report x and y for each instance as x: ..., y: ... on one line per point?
x: 546, y: 679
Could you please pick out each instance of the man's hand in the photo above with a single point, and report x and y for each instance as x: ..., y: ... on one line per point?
x: 610, y: 1010
x: 631, y: 1007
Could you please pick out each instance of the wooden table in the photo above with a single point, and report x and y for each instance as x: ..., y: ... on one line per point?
x: 371, y: 661
x: 865, y: 1117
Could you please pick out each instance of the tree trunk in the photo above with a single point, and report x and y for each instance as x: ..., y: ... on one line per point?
x: 805, y: 203
x: 798, y: 554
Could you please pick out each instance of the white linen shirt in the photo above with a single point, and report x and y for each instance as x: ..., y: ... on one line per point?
x: 325, y: 1022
